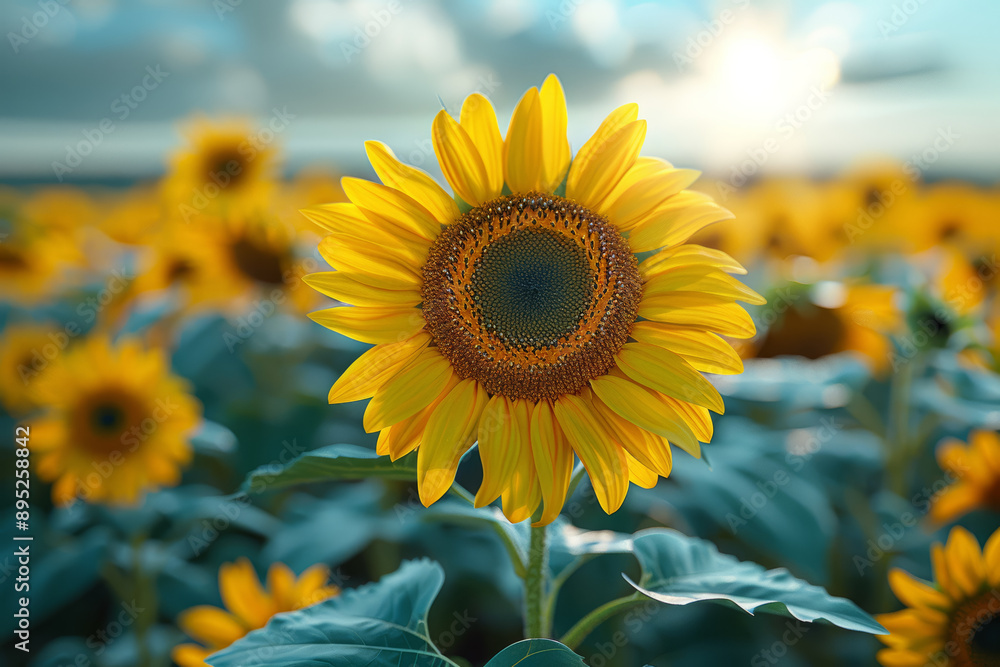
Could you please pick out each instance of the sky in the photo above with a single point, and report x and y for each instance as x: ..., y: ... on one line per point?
x: 802, y: 86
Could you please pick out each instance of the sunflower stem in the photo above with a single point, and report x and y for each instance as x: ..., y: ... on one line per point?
x: 537, y: 623
x: 588, y: 623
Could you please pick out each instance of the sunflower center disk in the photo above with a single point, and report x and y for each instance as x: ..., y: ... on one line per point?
x: 975, y: 632
x: 531, y: 295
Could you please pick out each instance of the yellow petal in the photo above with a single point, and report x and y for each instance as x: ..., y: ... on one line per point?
x: 891, y: 657
x: 281, y: 583
x: 667, y: 373
x: 459, y: 160
x: 366, y: 257
x: 942, y: 575
x: 348, y: 288
x: 410, y: 390
x: 524, y: 492
x: 591, y: 151
x: 704, y: 350
x: 211, y: 626
x: 604, y: 460
x: 190, y: 655
x: 480, y: 121
x: 955, y: 501
x: 242, y: 593
x: 522, y: 150
x: 675, y: 220
x: 965, y: 560
x: 915, y: 593
x: 553, y: 459
x: 637, y: 405
x: 374, y: 368
x: 414, y: 182
x: 727, y: 319
x: 499, y: 445
x: 687, y: 255
x: 310, y: 582
x: 371, y: 325
x: 695, y: 416
x: 450, y: 432
x: 388, y: 207
x: 702, y: 280
x: 646, y: 195
x: 639, y: 474
x: 606, y: 166
x: 991, y: 558
x: 652, y: 450
x: 555, y: 145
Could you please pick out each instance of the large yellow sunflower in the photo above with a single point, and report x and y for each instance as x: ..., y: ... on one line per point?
x: 977, y: 469
x: 117, y: 422
x: 249, y: 606
x: 527, y: 322
x: 226, y: 168
x: 954, y: 622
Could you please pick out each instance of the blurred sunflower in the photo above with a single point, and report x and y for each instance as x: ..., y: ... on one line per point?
x: 249, y: 606
x: 977, y: 469
x: 785, y: 217
x: 60, y: 209
x: 958, y: 215
x: 516, y: 323
x: 224, y: 169
x: 836, y: 318
x: 954, y: 621
x: 31, y: 262
x: 22, y: 357
x: 117, y: 422
x: 133, y: 217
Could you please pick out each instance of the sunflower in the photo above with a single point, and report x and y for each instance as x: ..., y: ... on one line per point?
x: 24, y: 353
x: 955, y: 214
x: 786, y: 217
x: 116, y: 425
x: 977, y: 469
x: 134, y: 217
x: 249, y: 606
x: 527, y: 322
x: 60, y: 209
x: 224, y: 169
x: 955, y: 621
x: 836, y: 318
x: 31, y: 261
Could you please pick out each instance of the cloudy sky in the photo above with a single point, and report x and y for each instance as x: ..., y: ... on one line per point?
x: 802, y: 85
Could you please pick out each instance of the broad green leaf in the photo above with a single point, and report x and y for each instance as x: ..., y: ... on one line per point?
x: 677, y: 569
x: 329, y: 463
x: 536, y: 653
x: 378, y: 625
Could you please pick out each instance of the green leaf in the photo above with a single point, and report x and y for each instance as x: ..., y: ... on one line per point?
x: 378, y: 625
x: 536, y: 653
x: 329, y: 463
x: 677, y: 569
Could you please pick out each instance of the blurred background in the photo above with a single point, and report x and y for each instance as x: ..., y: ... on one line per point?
x: 856, y: 142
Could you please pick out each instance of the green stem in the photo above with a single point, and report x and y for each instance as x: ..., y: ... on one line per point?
x: 512, y: 550
x: 587, y: 624
x: 898, y: 436
x: 536, y: 618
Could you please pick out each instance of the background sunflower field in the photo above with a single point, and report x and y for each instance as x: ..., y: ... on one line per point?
x: 177, y: 480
